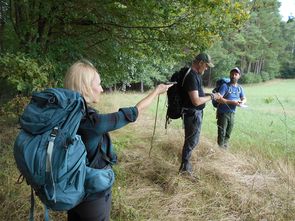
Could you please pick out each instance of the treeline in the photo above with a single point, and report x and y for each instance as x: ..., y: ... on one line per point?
x: 140, y: 42
x: 264, y: 48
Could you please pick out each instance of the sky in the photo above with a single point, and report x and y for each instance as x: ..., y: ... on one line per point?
x: 287, y: 8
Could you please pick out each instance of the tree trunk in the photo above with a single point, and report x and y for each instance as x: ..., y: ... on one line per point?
x: 30, y: 20
x: 260, y: 65
x: 2, y: 25
x: 141, y: 86
x: 249, y: 67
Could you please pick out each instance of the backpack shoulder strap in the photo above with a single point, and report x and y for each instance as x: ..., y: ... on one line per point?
x: 188, y: 71
x: 228, y: 90
x: 239, y: 89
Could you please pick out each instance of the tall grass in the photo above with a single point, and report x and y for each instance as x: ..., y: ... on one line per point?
x: 247, y: 182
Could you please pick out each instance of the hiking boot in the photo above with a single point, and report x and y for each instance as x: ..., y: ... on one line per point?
x: 223, y: 146
x: 189, y: 175
x: 185, y: 167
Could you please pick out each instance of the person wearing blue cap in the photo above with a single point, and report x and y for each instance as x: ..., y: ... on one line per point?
x: 232, y: 96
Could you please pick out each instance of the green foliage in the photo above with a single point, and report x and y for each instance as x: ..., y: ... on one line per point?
x: 128, y: 41
x: 223, y: 61
x: 265, y: 76
x: 251, y: 78
x: 15, y: 107
x: 288, y: 56
x: 288, y: 71
x: 23, y: 73
x: 146, y: 41
x: 260, y: 48
x: 268, y: 100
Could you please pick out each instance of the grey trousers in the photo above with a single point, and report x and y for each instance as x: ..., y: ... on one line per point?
x: 192, y: 130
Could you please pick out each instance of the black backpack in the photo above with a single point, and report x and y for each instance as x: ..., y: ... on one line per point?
x: 174, y: 94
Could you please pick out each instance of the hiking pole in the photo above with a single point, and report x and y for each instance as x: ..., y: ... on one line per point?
x: 155, y: 125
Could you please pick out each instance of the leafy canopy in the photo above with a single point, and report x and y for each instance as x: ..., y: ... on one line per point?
x: 126, y: 40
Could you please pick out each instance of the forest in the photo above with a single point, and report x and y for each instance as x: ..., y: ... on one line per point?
x: 137, y: 44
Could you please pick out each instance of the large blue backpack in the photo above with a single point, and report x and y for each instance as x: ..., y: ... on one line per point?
x: 51, y: 156
x: 218, y: 84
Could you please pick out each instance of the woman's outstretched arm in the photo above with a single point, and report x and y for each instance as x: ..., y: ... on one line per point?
x: 145, y: 102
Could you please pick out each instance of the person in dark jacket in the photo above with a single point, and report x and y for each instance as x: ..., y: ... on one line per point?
x: 84, y: 78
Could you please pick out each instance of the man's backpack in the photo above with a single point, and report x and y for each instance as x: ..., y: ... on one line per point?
x: 174, y: 94
x: 51, y: 156
x: 218, y: 84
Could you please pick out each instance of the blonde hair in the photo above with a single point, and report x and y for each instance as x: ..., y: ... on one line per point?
x: 79, y: 78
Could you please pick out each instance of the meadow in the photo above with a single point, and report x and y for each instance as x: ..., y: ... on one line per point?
x: 267, y: 125
x: 253, y: 180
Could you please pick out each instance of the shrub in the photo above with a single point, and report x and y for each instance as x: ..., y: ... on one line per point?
x: 265, y: 76
x: 23, y: 73
x: 251, y: 78
x: 15, y: 107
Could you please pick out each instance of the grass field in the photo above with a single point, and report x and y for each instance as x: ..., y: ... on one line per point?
x: 253, y: 180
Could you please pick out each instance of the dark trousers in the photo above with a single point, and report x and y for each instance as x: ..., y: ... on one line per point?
x: 192, y: 130
x: 97, y: 209
x: 225, y: 124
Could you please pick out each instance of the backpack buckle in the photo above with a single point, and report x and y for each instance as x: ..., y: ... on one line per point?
x: 54, y: 132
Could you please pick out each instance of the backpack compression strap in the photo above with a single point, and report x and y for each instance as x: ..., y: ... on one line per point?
x: 229, y: 90
x: 50, y: 146
x: 46, y: 212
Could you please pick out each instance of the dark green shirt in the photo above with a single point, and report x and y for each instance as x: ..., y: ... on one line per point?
x: 94, y: 129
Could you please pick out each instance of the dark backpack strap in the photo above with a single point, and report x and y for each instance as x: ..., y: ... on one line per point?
x: 239, y: 89
x: 109, y: 156
x: 32, y: 205
x: 101, y: 156
x: 86, y: 109
x: 46, y: 212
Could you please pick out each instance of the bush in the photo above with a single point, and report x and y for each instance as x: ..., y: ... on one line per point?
x: 15, y: 107
x: 288, y: 71
x: 251, y: 78
x: 23, y: 73
x: 265, y: 76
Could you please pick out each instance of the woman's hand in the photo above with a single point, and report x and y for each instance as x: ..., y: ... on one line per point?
x: 162, y: 88
x: 145, y: 102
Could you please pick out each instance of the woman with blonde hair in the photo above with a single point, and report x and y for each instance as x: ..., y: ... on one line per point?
x: 84, y: 78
